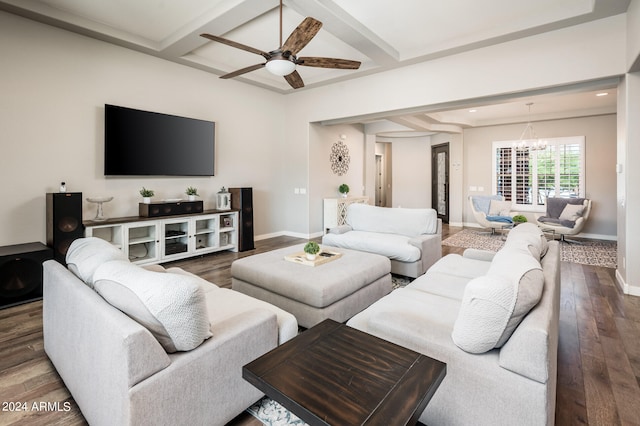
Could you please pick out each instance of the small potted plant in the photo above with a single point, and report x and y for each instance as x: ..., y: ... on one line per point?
x: 146, y: 195
x: 344, y: 189
x: 311, y: 250
x: 192, y: 193
x: 518, y: 219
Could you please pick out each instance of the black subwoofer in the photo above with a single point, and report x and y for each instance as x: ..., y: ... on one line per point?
x: 64, y: 222
x: 242, y: 200
x: 21, y: 273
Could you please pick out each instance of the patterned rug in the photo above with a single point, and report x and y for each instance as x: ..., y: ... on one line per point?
x: 590, y: 252
x: 271, y: 413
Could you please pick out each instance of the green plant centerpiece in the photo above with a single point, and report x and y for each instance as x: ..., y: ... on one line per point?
x: 311, y: 249
x: 343, y: 189
x: 192, y: 193
x: 146, y: 195
x: 518, y: 219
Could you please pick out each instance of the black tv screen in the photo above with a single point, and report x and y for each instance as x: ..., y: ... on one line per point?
x: 153, y: 144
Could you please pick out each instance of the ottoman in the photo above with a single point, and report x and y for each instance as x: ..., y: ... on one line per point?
x: 338, y: 289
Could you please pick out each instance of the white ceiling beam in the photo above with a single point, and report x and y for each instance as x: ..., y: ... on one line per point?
x: 421, y: 125
x: 217, y: 21
x: 345, y: 27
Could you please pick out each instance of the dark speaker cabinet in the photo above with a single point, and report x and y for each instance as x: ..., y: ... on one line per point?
x: 170, y: 208
x: 242, y: 200
x: 64, y: 222
x: 21, y: 273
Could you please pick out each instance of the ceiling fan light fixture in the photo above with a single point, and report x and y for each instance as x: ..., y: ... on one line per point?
x: 280, y: 66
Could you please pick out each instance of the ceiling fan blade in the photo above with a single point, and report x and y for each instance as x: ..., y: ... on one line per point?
x: 302, y: 35
x: 236, y: 45
x: 294, y: 80
x: 243, y: 71
x: 343, y: 64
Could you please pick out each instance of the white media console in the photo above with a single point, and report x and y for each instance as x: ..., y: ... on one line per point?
x: 155, y: 240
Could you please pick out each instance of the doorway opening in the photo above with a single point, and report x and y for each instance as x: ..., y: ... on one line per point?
x: 440, y: 180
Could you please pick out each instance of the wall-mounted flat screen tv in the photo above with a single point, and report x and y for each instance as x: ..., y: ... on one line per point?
x: 152, y: 144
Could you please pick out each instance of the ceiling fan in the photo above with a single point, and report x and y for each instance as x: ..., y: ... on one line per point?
x: 283, y: 61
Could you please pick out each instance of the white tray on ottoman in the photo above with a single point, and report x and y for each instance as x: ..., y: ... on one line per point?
x: 337, y: 290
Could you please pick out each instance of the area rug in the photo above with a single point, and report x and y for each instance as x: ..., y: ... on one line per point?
x: 271, y: 413
x: 590, y: 252
x: 400, y: 281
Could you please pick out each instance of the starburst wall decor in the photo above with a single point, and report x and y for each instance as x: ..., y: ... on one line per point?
x: 339, y: 158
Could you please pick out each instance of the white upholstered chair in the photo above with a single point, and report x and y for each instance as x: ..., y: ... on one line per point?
x: 480, y: 205
x: 558, y: 220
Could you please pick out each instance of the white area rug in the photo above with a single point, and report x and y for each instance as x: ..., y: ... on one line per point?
x: 591, y: 252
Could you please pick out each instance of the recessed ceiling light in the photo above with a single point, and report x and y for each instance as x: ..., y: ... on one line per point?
x: 473, y: 110
x: 602, y: 94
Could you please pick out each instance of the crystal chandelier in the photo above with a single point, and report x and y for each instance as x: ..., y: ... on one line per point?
x: 528, y: 139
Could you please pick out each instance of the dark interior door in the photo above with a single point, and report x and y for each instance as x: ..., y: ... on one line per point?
x: 440, y: 180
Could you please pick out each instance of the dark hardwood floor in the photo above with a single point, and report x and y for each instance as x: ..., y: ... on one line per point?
x: 598, y: 356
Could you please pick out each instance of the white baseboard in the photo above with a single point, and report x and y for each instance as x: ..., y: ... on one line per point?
x: 626, y: 288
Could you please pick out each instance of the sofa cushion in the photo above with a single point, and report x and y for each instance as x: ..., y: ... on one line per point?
x: 457, y: 265
x: 493, y: 305
x: 408, y: 222
x: 441, y: 284
x: 393, y: 246
x: 171, y: 306
x: 85, y: 255
x: 225, y: 303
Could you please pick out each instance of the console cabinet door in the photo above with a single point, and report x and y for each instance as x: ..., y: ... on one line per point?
x: 142, y: 242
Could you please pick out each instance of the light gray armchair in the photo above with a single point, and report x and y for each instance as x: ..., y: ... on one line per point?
x: 565, y: 216
x: 480, y: 207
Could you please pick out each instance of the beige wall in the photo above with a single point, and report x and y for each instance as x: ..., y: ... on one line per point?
x: 483, y: 72
x: 600, y: 156
x: 53, y: 88
x: 323, y: 182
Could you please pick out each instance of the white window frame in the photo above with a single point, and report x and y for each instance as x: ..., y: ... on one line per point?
x: 551, y: 142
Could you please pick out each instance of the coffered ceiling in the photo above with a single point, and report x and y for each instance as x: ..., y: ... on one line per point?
x: 379, y: 33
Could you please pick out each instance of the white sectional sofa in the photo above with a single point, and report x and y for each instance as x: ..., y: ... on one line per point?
x: 174, y: 358
x: 474, y: 312
x: 410, y: 238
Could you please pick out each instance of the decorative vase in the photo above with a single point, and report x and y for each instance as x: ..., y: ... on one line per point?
x: 192, y: 197
x: 146, y: 200
x: 310, y: 256
x: 344, y: 194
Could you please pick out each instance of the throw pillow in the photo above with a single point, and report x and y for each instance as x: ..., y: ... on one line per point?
x: 171, y: 306
x: 85, y: 255
x: 494, y: 304
x: 556, y: 205
x: 571, y: 212
x: 499, y: 208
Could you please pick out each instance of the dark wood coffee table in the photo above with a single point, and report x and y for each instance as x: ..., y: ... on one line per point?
x: 333, y: 374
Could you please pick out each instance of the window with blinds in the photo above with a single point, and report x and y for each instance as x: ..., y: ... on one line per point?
x: 528, y: 176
